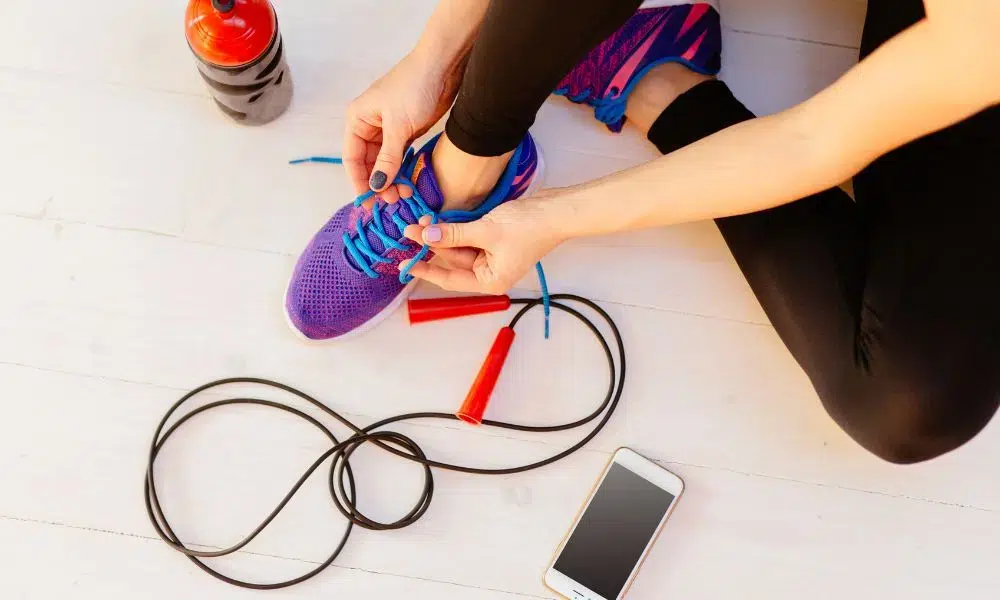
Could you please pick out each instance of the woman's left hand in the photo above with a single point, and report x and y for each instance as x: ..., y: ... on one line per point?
x: 489, y: 255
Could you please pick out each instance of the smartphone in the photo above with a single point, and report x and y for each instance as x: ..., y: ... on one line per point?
x: 602, y: 553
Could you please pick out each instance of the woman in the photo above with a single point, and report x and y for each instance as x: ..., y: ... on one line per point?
x: 890, y: 304
x: 502, y: 59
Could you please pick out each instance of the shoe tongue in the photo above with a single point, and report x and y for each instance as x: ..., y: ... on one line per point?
x: 425, y: 179
x: 427, y: 186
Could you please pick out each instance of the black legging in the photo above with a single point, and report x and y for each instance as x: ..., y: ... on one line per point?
x: 524, y: 48
x: 890, y: 304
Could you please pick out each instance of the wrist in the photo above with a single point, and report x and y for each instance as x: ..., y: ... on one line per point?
x: 443, y: 54
x: 568, y: 214
x: 427, y: 61
x: 439, y: 65
x: 558, y: 214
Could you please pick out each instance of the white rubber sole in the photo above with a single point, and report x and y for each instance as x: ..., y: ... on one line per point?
x: 370, y: 324
x: 385, y: 313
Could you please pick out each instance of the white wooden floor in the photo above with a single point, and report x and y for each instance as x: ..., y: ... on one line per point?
x: 137, y: 264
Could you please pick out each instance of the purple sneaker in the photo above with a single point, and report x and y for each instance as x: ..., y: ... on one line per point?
x: 348, y: 279
x: 690, y: 34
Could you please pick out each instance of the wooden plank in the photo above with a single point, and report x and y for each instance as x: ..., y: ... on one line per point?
x: 834, y: 22
x: 44, y: 561
x: 770, y: 535
x: 331, y: 46
x: 154, y: 309
x: 771, y: 74
x: 253, y: 455
x: 147, y: 308
x: 178, y: 171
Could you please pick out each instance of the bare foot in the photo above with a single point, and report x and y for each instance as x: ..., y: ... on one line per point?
x: 465, y: 180
x: 657, y: 90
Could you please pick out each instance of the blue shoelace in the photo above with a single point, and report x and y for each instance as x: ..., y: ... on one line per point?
x: 360, y: 247
x: 609, y: 109
x: 366, y: 257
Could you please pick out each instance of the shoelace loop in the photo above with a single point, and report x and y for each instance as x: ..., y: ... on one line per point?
x: 360, y: 248
x: 608, y: 109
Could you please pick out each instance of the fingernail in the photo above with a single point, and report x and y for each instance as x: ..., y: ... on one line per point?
x: 377, y: 181
x: 432, y: 234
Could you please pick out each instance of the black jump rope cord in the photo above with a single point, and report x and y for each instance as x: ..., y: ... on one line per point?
x: 343, y: 494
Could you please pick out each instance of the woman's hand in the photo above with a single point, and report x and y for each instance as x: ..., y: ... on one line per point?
x: 382, y: 122
x: 489, y: 255
x: 402, y: 105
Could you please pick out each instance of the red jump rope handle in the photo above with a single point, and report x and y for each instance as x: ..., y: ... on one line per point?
x: 436, y: 309
x: 482, y: 388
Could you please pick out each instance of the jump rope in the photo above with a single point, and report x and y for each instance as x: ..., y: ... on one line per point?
x: 340, y: 477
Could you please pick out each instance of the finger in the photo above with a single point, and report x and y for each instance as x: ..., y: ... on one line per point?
x: 389, y: 194
x: 453, y: 257
x: 476, y: 234
x: 359, y: 137
x: 390, y: 157
x: 372, y: 154
x: 455, y: 280
x: 414, y: 232
x: 355, y: 150
x: 393, y: 193
x: 457, y: 258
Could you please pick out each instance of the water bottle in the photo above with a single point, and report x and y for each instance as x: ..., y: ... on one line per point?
x: 240, y: 56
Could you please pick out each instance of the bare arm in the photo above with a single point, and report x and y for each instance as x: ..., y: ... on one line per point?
x: 451, y: 30
x: 941, y: 71
x: 405, y: 102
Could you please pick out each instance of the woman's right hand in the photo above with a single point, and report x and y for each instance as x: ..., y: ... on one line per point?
x: 491, y: 255
x: 382, y: 122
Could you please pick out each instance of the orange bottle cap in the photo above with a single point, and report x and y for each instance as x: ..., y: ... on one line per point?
x: 230, y: 33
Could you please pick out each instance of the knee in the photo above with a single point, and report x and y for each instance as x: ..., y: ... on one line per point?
x: 911, y: 421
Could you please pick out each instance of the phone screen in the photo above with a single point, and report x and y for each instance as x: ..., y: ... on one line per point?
x: 613, y: 531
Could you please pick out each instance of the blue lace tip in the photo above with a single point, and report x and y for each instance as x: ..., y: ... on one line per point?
x: 546, y: 304
x: 320, y: 159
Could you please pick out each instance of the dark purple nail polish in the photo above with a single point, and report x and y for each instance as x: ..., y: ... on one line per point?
x: 377, y: 182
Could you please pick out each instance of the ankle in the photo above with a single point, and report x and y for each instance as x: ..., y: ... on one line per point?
x: 657, y: 90
x: 465, y: 180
